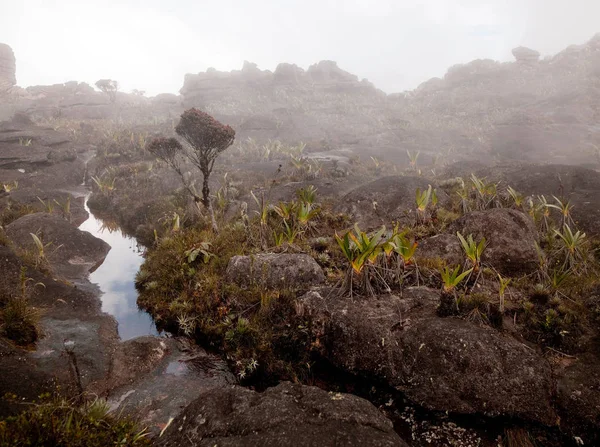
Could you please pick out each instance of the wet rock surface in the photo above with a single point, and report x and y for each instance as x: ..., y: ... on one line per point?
x: 510, y: 237
x: 445, y: 364
x: 286, y: 415
x: 275, y: 270
x: 72, y: 253
x: 68, y: 314
x: 154, y: 379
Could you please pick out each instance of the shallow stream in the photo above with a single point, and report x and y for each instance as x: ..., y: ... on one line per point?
x: 115, y: 278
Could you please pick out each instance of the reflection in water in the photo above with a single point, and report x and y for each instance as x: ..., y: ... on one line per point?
x: 115, y: 277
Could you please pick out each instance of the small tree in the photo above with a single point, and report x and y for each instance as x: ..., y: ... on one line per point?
x: 206, y: 138
x: 110, y: 87
x: 168, y: 150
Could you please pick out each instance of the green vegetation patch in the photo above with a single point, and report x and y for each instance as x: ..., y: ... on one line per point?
x: 58, y: 422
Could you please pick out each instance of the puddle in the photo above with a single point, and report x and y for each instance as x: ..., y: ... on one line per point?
x: 115, y: 278
x: 177, y: 368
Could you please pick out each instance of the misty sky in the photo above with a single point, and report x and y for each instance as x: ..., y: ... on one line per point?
x: 396, y: 44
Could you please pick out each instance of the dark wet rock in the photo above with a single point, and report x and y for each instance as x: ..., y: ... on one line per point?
x: 72, y: 253
x: 275, y: 270
x: 136, y: 357
x: 94, y: 339
x: 385, y: 200
x: 445, y: 364
x: 170, y: 374
x: 57, y: 298
x: 286, y: 415
x: 578, y: 397
x: 444, y: 247
x: 510, y: 236
x: 67, y: 314
x: 19, y: 376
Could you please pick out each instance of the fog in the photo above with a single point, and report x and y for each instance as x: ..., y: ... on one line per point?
x: 396, y: 44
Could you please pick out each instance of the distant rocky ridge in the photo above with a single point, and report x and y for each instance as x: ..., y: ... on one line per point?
x: 531, y: 109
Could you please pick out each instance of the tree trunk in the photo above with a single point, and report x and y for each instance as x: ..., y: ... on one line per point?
x: 206, y: 200
x: 205, y: 190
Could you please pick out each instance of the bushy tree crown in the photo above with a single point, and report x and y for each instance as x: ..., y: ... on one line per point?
x: 204, y: 133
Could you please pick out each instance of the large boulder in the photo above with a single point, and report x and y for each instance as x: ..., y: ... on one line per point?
x: 274, y: 271
x: 441, y: 247
x: 385, y: 200
x: 286, y: 415
x: 578, y: 397
x: 510, y: 235
x: 7, y: 68
x: 524, y: 54
x: 442, y: 364
x: 72, y: 253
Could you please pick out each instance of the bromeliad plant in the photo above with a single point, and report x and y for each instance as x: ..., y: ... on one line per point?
x: 451, y: 279
x: 8, y: 187
x: 413, y: 157
x: 539, y: 210
x: 473, y: 250
x: 105, y: 185
x: 424, y: 199
x: 305, y: 212
x: 307, y: 195
x: 565, y: 208
x: 41, y: 259
x: 288, y: 235
x: 572, y: 249
x: 402, y: 248
x: 361, y: 251
x: 503, y: 284
x: 517, y: 198
x: 263, y: 213
x: 307, y: 209
x: 286, y: 210
x: 486, y: 194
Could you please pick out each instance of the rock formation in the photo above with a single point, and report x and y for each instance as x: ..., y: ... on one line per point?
x: 288, y: 414
x: 522, y: 110
x: 7, y: 68
x: 401, y: 342
x: 524, y: 54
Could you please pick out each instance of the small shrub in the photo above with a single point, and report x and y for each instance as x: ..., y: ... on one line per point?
x: 58, y: 422
x: 19, y: 321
